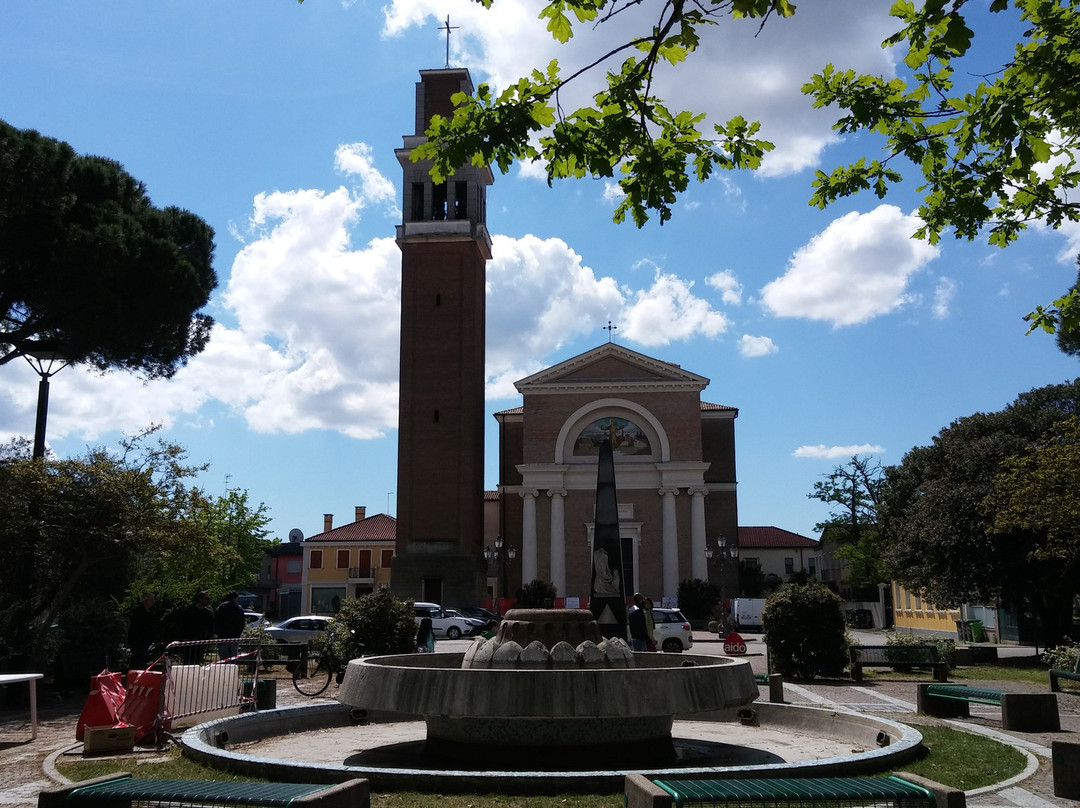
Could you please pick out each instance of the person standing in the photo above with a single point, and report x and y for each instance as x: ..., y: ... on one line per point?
x: 635, y: 619
x: 229, y: 624
x: 650, y: 626
x: 144, y: 629
x: 425, y: 637
x: 195, y: 622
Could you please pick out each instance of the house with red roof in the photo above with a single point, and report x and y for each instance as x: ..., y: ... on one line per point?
x: 347, y: 561
x: 779, y: 552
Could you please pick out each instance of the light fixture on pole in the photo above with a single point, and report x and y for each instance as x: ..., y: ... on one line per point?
x: 722, y: 553
x: 46, y: 361
x: 499, y: 555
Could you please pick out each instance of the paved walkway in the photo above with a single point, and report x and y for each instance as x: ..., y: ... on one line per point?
x: 23, y: 763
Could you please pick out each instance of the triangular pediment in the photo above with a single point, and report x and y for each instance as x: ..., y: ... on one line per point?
x: 611, y: 366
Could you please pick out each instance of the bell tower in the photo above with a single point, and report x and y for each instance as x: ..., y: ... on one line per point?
x: 445, y: 247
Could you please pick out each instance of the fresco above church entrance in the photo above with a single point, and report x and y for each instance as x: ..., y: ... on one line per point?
x: 626, y: 437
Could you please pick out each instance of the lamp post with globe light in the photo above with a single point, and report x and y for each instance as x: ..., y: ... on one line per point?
x: 722, y: 552
x: 499, y: 555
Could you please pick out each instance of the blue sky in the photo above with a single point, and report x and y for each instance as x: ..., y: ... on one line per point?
x: 832, y: 331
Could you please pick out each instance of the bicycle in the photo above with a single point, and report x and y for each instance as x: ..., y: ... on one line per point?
x: 313, y: 671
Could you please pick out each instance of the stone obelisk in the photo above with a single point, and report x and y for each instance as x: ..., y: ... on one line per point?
x: 607, y: 595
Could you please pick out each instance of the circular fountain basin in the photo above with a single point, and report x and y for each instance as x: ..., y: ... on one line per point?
x: 548, y: 706
x: 329, y: 742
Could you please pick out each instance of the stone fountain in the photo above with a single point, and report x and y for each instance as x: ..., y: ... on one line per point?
x: 548, y: 684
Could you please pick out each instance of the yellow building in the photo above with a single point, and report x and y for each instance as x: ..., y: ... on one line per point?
x: 911, y: 612
x: 347, y: 561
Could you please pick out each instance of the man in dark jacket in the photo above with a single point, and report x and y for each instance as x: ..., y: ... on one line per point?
x: 144, y: 629
x: 635, y: 618
x: 229, y: 623
x: 195, y: 622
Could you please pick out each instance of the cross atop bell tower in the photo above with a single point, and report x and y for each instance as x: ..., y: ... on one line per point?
x: 445, y: 247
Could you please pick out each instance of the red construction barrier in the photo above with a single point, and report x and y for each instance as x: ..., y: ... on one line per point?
x: 102, y: 707
x: 142, y: 705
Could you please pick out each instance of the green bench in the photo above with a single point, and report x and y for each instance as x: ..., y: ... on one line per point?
x: 1023, y: 712
x: 121, y: 790
x: 1074, y: 674
x: 897, y: 656
x: 907, y: 791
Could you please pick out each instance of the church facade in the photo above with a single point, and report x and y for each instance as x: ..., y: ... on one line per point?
x: 674, y: 473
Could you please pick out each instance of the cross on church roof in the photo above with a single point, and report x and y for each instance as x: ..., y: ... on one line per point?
x: 448, y: 28
x: 610, y: 331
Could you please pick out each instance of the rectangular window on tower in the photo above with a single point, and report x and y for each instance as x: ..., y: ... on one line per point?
x: 417, y: 202
x: 461, y: 200
x: 438, y: 202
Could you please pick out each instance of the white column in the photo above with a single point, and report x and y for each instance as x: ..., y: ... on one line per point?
x: 558, y: 541
x: 528, y: 536
x: 699, y: 565
x: 670, y: 543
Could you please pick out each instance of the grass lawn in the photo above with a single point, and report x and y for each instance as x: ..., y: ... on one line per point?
x: 948, y: 761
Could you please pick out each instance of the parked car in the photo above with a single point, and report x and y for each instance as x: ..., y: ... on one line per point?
x: 672, y: 630
x: 446, y: 625
x: 257, y: 619
x: 480, y: 613
x: 299, y: 629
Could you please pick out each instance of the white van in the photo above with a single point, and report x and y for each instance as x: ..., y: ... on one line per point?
x: 444, y: 625
x: 747, y: 612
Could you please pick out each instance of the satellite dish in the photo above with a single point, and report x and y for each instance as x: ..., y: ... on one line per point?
x: 296, y: 535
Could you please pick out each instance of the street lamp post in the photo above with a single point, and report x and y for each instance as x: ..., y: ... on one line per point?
x: 46, y: 362
x: 722, y: 553
x: 499, y: 555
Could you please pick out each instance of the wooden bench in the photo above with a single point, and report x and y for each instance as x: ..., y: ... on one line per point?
x: 905, y: 790
x: 121, y: 790
x: 888, y: 656
x: 1023, y: 712
x: 1074, y: 674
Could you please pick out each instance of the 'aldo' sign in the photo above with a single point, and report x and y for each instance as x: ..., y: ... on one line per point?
x: 733, y: 644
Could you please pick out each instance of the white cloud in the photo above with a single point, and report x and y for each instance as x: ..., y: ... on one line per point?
x: 753, y: 347
x: 856, y: 269
x: 728, y: 285
x: 540, y: 297
x: 944, y: 293
x: 355, y: 159
x: 667, y: 311
x: 613, y: 192
x: 823, y: 452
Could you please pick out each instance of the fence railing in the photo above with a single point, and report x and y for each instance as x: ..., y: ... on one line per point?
x: 209, y: 679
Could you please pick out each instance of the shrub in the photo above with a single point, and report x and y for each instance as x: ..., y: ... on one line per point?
x: 697, y: 599
x: 537, y: 594
x: 1062, y: 657
x: 946, y: 647
x: 804, y: 629
x: 377, y: 623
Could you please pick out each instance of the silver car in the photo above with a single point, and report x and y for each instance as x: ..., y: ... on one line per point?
x: 299, y: 629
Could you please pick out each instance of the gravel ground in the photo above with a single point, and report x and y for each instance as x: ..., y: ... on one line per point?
x: 25, y: 769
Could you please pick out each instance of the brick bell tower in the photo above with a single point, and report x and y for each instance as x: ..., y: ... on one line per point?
x: 445, y: 247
